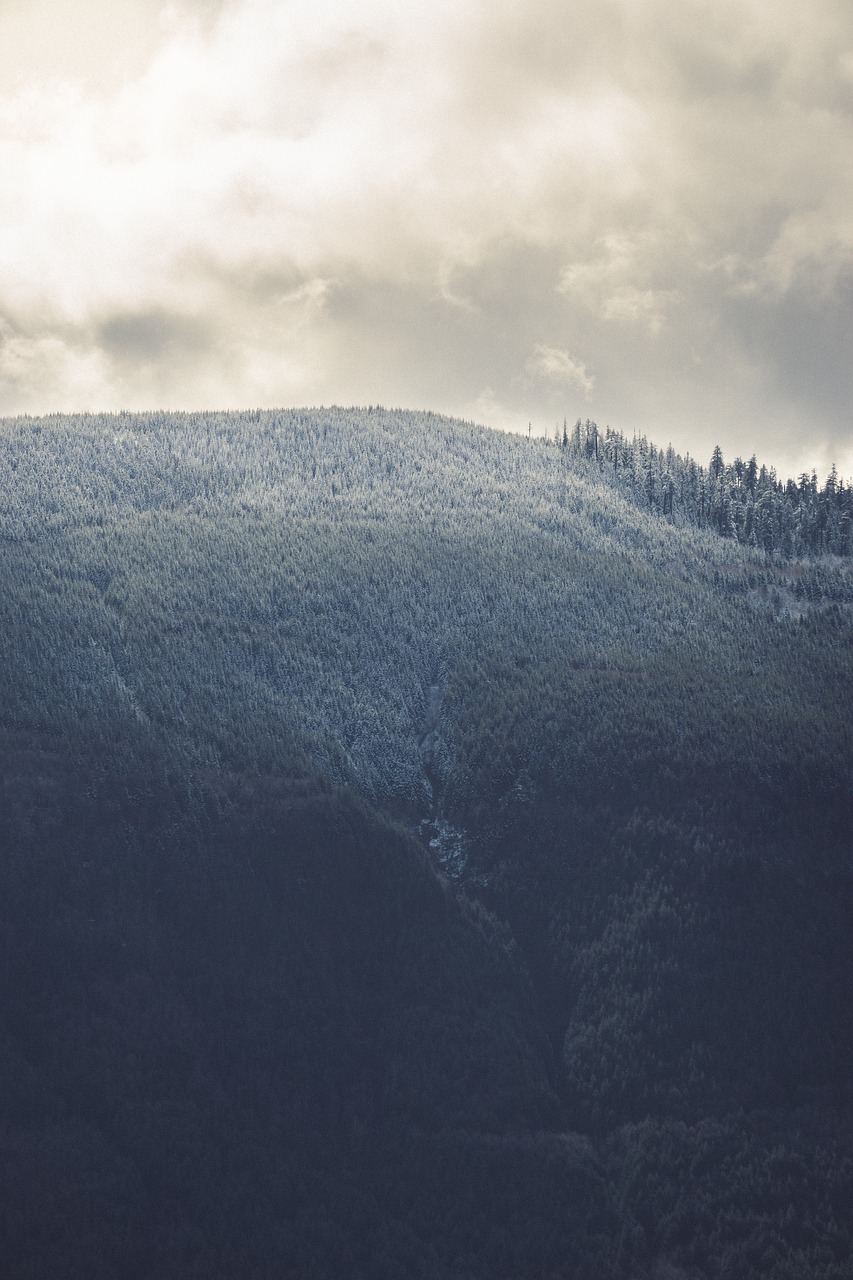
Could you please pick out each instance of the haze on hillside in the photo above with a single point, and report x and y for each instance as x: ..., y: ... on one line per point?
x: 634, y: 213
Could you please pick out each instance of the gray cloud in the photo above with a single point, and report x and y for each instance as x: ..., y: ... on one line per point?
x: 152, y: 337
x: 643, y: 213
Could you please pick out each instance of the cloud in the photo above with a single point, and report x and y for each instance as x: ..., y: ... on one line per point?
x: 441, y: 204
x: 151, y: 336
x: 615, y: 281
x: 555, y: 365
x: 64, y: 374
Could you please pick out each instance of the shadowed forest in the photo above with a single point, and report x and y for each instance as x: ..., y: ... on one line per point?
x: 424, y: 852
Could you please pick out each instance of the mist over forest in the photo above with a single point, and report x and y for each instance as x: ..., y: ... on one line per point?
x: 426, y: 852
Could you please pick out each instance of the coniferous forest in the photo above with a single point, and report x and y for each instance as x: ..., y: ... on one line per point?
x: 424, y: 853
x: 743, y: 500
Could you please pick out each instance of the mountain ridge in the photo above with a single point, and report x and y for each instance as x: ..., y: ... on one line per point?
x: 413, y: 841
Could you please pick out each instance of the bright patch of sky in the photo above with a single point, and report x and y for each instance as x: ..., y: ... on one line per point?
x: 639, y: 213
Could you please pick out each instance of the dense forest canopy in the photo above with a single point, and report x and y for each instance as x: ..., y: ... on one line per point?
x: 741, y: 500
x: 426, y: 852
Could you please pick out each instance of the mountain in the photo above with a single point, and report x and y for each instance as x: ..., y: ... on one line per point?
x: 423, y: 855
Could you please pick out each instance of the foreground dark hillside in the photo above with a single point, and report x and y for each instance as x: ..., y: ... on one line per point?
x: 418, y: 860
x: 224, y: 1010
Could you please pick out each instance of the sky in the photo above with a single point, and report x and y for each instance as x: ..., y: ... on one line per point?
x: 636, y: 211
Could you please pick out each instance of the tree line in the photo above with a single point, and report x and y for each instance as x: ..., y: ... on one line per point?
x: 745, y: 501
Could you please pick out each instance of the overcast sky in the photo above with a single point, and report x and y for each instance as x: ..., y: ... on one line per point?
x: 638, y: 211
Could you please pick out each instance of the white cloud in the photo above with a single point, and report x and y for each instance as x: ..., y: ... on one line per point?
x: 551, y: 364
x: 615, y: 281
x: 322, y: 200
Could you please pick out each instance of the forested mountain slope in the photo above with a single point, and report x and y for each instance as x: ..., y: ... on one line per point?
x: 745, y: 501
x: 259, y: 670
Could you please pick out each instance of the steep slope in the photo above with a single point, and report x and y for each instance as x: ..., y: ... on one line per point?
x: 631, y: 756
